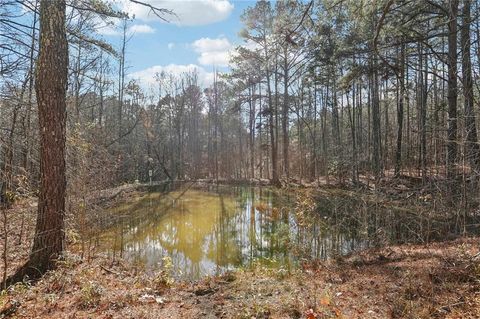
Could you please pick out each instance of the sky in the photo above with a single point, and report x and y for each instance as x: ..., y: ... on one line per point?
x: 200, y: 36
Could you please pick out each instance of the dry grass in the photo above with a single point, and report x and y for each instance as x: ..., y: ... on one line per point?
x: 429, y: 281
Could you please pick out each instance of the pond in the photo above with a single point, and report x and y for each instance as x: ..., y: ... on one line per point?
x: 207, y: 232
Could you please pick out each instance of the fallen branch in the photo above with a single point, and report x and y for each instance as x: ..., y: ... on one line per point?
x: 9, y: 308
x: 448, y: 308
x: 110, y: 270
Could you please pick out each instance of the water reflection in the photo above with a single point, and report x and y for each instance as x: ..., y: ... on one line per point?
x: 209, y: 232
x: 204, y: 232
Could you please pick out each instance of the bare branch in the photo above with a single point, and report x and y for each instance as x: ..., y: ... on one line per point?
x: 159, y: 12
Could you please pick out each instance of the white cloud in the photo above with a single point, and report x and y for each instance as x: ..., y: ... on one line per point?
x: 171, y: 45
x: 220, y: 58
x: 140, y: 28
x: 187, y: 12
x: 209, y: 45
x: 146, y: 77
x: 213, y: 51
x: 114, y: 29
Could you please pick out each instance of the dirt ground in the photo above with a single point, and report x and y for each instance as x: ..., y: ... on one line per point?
x: 436, y: 280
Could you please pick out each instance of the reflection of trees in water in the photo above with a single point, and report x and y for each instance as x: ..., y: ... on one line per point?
x: 228, y: 232
x: 208, y: 232
x: 195, y: 233
x: 343, y: 224
x: 224, y: 247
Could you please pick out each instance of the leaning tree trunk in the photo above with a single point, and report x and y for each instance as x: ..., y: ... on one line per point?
x: 50, y: 87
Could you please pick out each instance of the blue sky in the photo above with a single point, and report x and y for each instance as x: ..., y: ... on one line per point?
x: 201, y: 37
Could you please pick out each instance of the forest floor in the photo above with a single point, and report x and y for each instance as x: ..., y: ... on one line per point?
x: 436, y: 280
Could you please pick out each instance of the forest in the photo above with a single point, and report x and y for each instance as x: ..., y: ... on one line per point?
x: 330, y: 168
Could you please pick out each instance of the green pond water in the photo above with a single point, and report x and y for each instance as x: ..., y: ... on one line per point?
x: 208, y: 232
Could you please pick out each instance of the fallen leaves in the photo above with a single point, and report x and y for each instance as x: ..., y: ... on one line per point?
x: 325, y: 301
x: 310, y: 314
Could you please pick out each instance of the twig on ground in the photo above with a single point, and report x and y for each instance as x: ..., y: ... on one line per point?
x: 110, y: 270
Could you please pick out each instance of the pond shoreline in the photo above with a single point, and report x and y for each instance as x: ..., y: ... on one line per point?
x: 440, y: 279
x: 437, y: 279
x: 414, y: 201
x: 403, y: 186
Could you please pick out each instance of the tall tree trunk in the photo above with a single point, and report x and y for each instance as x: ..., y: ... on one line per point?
x: 252, y: 123
x: 452, y: 88
x: 101, y: 91
x: 314, y: 137
x: 376, y: 137
x: 271, y: 113
x: 285, y: 116
x: 277, y: 103
x: 422, y: 109
x: 121, y: 78
x: 7, y: 169
x: 472, y: 147
x: 77, y: 84
x: 351, y: 117
x: 271, y: 116
x: 400, y: 102
x: 385, y: 149
x: 335, y: 119
x: 423, y: 114
x: 50, y: 87
x: 216, y: 123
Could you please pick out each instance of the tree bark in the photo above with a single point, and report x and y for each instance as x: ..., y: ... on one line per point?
x: 400, y: 104
x: 377, y: 142
x: 285, y: 115
x: 121, y: 78
x: 50, y: 87
x: 472, y: 147
x: 452, y: 88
